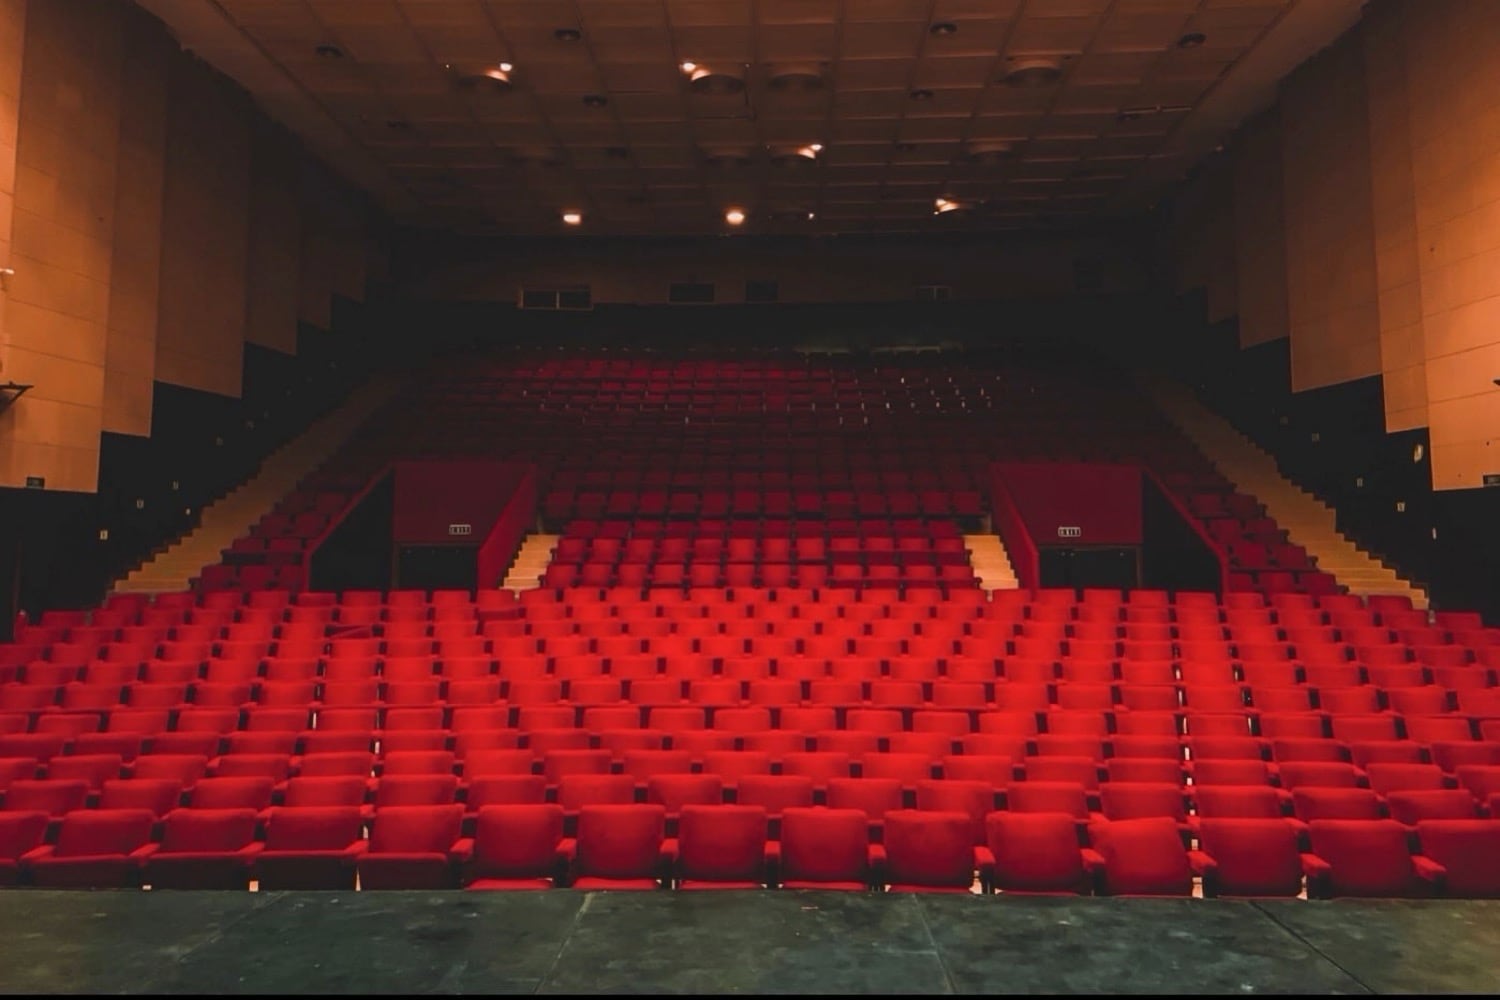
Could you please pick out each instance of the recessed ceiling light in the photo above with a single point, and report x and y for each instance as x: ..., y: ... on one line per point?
x: 1191, y: 40
x: 921, y: 94
x: 595, y: 100
x: 944, y: 28
x: 329, y: 51
x: 734, y: 216
x: 1034, y: 71
x: 573, y: 218
x: 568, y: 35
x: 811, y: 216
x: 688, y: 67
x: 816, y: 147
x: 506, y: 67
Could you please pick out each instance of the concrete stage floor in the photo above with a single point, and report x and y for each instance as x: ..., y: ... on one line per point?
x: 564, y: 941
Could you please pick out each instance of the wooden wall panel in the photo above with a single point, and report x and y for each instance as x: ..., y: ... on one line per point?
x: 62, y: 242
x: 1330, y: 242
x: 1453, y: 76
x: 130, y: 353
x: 205, y: 233
x: 1393, y: 204
x: 1260, y: 231
x: 275, y: 258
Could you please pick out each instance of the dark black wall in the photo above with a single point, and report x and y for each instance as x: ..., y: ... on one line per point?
x: 70, y: 546
x: 1173, y: 556
x: 1333, y: 443
x: 356, y: 555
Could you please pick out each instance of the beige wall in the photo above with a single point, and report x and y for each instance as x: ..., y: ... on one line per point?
x: 205, y: 233
x: 1453, y: 76
x: 62, y: 242
x: 12, y: 44
x: 126, y: 208
x: 1390, y: 156
x: 1392, y: 200
x: 1330, y: 256
x: 1260, y: 231
x: 130, y: 354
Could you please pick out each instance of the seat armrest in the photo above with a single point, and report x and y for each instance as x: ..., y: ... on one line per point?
x: 462, y: 850
x: 1315, y: 867
x: 1427, y: 869
x: 1202, y: 863
x: 140, y: 854
x: 1093, y: 861
x: 36, y: 854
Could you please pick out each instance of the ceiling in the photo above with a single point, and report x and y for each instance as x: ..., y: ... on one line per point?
x: 904, y: 114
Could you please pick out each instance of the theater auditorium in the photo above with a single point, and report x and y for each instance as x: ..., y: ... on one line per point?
x: 773, y: 496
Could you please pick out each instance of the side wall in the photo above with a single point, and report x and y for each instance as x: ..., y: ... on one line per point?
x: 156, y: 223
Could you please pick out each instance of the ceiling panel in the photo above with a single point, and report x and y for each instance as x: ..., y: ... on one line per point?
x: 898, y: 108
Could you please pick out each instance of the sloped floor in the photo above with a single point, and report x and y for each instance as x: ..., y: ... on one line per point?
x: 735, y: 942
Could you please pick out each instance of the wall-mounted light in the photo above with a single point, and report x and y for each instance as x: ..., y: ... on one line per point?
x: 573, y: 218
x: 735, y: 216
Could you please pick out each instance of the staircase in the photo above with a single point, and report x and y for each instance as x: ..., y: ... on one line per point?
x: 234, y: 514
x: 1308, y: 521
x: 531, y: 562
x: 991, y: 562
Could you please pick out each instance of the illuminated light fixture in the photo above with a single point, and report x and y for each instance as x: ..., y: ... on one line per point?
x: 702, y: 80
x: 573, y: 218
x: 815, y: 147
x: 735, y: 216
x: 811, y: 216
x: 506, y: 67
x: 946, y: 206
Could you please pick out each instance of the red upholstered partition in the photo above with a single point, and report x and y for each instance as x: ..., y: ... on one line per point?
x: 515, y: 520
x: 1102, y: 500
x: 1025, y: 557
x: 431, y: 494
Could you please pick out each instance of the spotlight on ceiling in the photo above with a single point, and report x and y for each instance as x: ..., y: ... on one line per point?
x: 573, y: 218
x: 735, y: 216
x: 1033, y: 71
x: 1191, y: 40
x: 703, y: 80
x: 943, y: 28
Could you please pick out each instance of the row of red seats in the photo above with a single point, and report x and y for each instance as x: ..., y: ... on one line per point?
x: 731, y: 846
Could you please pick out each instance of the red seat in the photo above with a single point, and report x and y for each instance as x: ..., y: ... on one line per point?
x: 1468, y: 852
x: 204, y: 849
x: 1248, y: 857
x: 516, y: 847
x: 414, y: 847
x: 1360, y: 857
x: 721, y: 847
x: 825, y: 849
x: 620, y: 847
x: 928, y: 851
x: 1037, y: 853
x: 311, y: 848
x: 1142, y: 857
x: 95, y: 849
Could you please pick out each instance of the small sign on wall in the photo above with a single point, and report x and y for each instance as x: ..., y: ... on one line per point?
x: 1069, y: 531
x: 460, y: 529
x: 1492, y: 479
